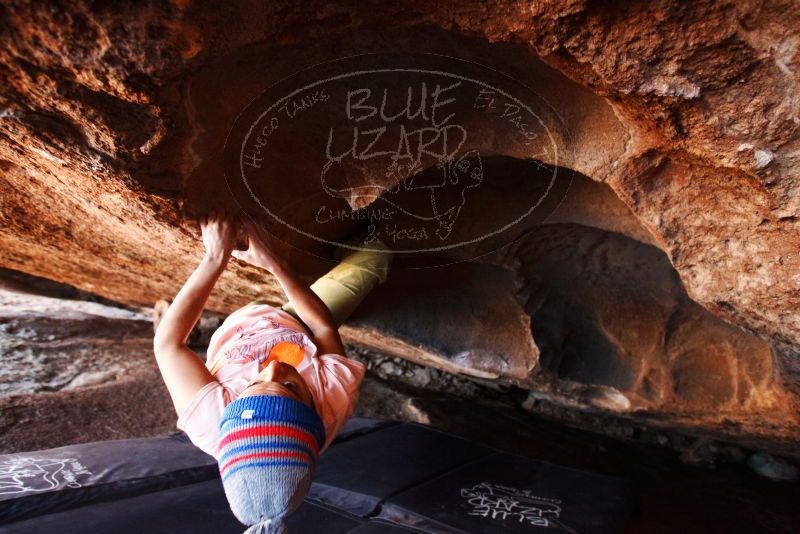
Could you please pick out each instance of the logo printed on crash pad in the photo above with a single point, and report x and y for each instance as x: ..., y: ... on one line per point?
x: 503, y: 503
x: 30, y: 474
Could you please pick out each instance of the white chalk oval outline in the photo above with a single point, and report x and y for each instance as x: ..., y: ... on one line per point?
x: 417, y: 71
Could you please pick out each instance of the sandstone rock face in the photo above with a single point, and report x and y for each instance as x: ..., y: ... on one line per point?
x: 461, y: 318
x: 608, y: 310
x: 114, y: 121
x: 75, y: 370
x: 51, y: 346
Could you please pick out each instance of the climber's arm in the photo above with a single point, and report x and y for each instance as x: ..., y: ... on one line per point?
x: 306, y: 303
x: 311, y: 310
x: 182, y: 371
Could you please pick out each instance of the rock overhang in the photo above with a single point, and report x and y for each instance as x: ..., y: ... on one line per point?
x: 114, y: 126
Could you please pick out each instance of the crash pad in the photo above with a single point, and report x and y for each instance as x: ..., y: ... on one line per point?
x: 376, y: 477
x: 505, y: 493
x: 56, y: 479
x: 357, y: 475
x: 192, y: 509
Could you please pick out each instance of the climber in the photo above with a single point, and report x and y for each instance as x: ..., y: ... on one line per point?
x: 276, y: 386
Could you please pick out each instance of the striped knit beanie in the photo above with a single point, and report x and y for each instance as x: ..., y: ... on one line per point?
x: 268, y: 447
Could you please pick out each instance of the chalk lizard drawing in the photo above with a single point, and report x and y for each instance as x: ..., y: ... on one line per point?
x: 456, y: 176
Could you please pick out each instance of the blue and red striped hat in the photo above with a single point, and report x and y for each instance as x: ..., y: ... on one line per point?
x: 268, y: 449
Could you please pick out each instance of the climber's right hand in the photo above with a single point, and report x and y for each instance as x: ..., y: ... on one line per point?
x: 219, y: 235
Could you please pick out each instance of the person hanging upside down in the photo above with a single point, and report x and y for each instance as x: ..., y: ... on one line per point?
x: 276, y: 386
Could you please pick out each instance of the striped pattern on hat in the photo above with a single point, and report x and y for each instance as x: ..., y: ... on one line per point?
x: 267, y: 453
x: 268, y: 430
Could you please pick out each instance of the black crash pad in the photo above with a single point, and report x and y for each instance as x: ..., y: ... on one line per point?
x: 357, y: 475
x: 375, y: 478
x: 56, y: 479
x: 504, y: 493
x: 380, y: 527
x: 52, y: 480
x: 194, y: 509
x: 358, y: 426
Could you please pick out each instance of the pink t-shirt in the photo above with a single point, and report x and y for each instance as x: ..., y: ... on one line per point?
x: 245, y: 340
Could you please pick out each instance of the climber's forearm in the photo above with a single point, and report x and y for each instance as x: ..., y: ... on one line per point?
x: 306, y: 303
x: 185, y: 310
x: 311, y: 310
x: 183, y: 372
